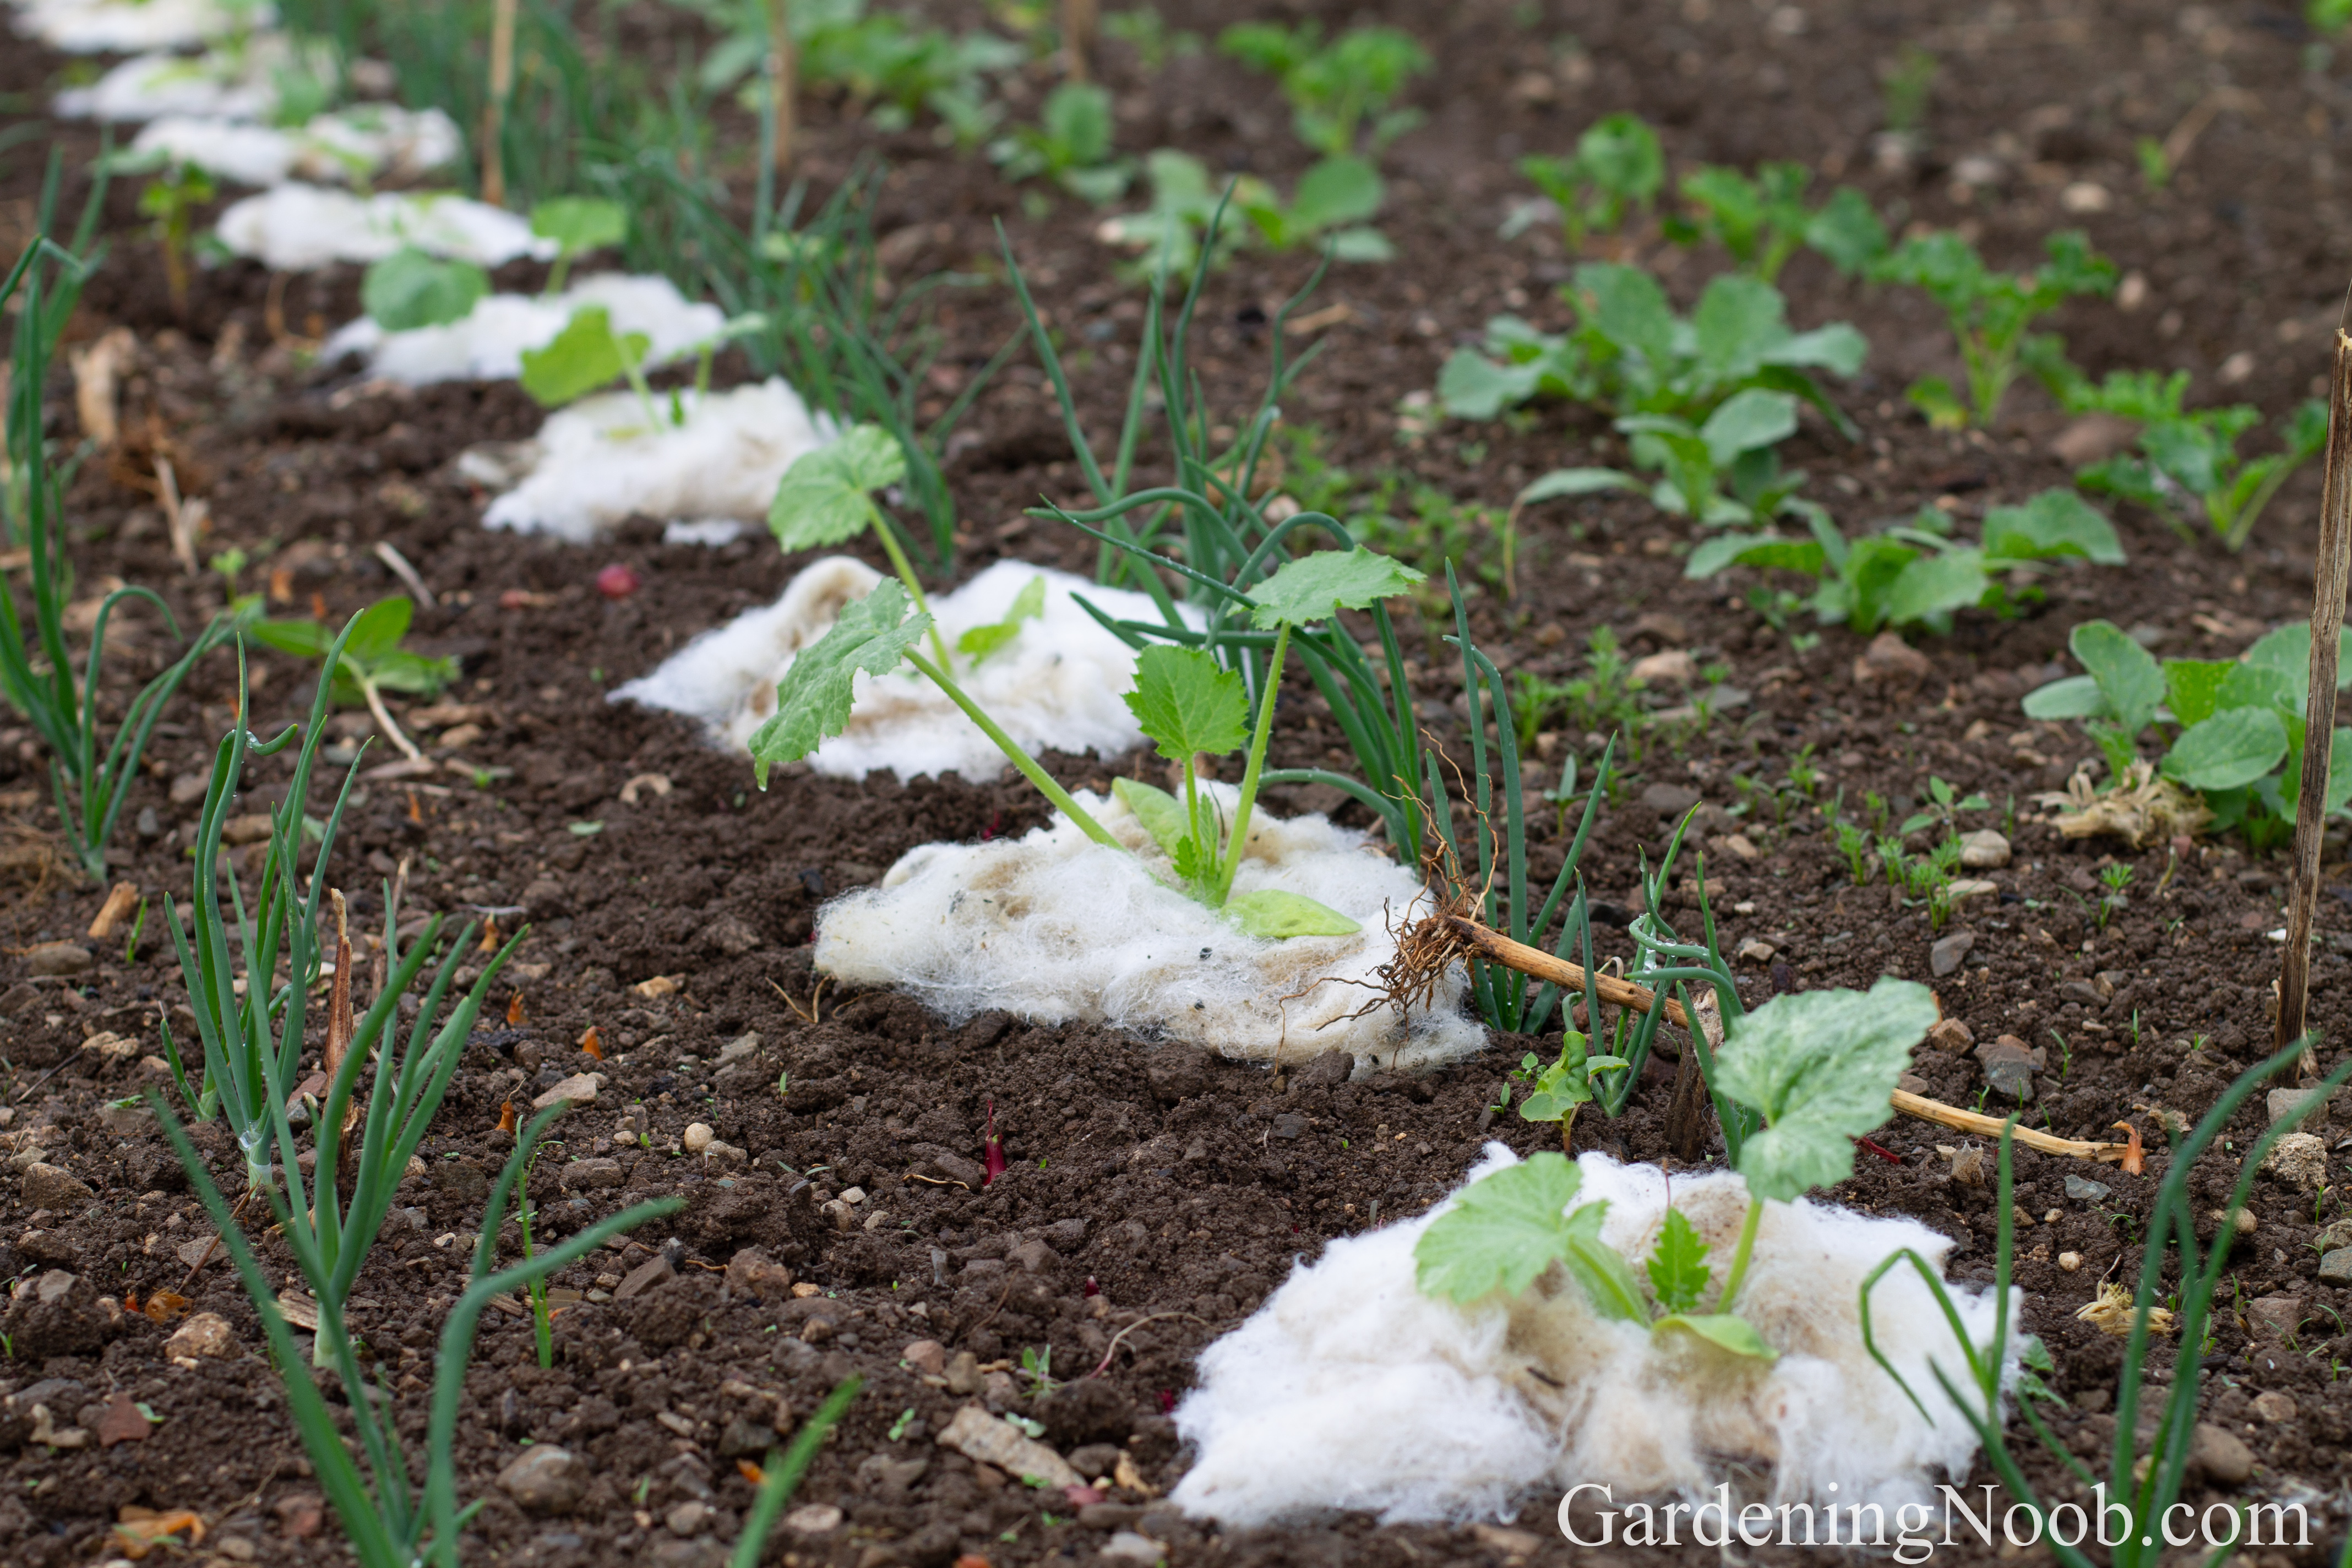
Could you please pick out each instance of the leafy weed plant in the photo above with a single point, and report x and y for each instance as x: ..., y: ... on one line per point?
x: 2187, y: 457
x: 1989, y: 314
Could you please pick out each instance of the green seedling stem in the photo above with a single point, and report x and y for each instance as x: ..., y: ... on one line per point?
x: 1062, y: 800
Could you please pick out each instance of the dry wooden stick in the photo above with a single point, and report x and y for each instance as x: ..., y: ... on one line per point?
x: 1959, y: 1121
x: 780, y: 67
x: 1077, y: 38
x: 494, y: 109
x: 1496, y: 948
x: 2330, y: 575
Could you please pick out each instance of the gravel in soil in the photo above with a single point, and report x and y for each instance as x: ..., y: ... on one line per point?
x: 1154, y: 1195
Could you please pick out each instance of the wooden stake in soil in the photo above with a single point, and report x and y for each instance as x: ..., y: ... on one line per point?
x: 781, y: 65
x: 1077, y: 38
x: 494, y: 109
x: 2329, y: 577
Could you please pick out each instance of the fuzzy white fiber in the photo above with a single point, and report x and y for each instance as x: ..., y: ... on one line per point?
x: 1053, y: 927
x: 1350, y: 1389
x: 297, y: 228
x: 223, y: 84
x: 489, y: 344
x: 596, y: 463
x: 371, y: 141
x: 129, y: 27
x: 1060, y: 682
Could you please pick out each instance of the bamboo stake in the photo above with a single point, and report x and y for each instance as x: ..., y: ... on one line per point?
x: 1077, y: 38
x: 1534, y: 961
x: 494, y: 111
x: 2329, y: 574
x: 1959, y: 1121
x: 781, y: 69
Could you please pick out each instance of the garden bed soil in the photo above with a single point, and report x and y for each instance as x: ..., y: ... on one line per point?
x: 1154, y: 1194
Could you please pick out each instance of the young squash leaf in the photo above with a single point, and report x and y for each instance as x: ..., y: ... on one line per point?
x: 2230, y: 750
x: 1312, y: 587
x: 409, y: 290
x: 1503, y: 1230
x: 1270, y: 914
x: 1161, y: 814
x: 1027, y: 606
x: 1820, y: 1066
x: 2127, y: 675
x: 1677, y: 1266
x: 584, y: 356
x: 1724, y: 1330
x: 824, y: 497
x: 1187, y: 703
x: 1607, y: 1279
x: 580, y: 223
x: 814, y: 698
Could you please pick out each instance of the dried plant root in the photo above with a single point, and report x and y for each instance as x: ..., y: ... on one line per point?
x: 1952, y: 1116
x: 1468, y: 936
x: 2140, y: 809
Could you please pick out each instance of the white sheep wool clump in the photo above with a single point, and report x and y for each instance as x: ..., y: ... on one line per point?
x: 597, y: 462
x: 1060, y: 682
x: 221, y: 84
x: 1056, y: 928
x: 299, y: 227
x: 488, y: 344
x: 369, y: 141
x: 1350, y: 1389
x: 129, y: 27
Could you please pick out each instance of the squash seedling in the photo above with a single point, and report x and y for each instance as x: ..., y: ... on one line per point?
x: 367, y: 661
x: 826, y: 498
x: 588, y: 354
x: 410, y: 288
x: 171, y: 200
x: 1988, y: 313
x: 578, y: 225
x: 1555, y: 1092
x: 1185, y: 702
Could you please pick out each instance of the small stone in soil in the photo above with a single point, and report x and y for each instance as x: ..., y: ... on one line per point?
x: 2300, y: 1158
x: 1951, y: 1035
x: 1984, y: 850
x: 928, y: 1358
x: 1095, y: 1460
x: 2296, y: 1104
x: 47, y: 1187
x: 813, y: 1519
x: 57, y: 958
x: 687, y: 1518
x: 1950, y: 952
x: 2084, y: 1189
x: 2274, y: 1407
x: 2220, y: 1456
x: 2335, y: 1268
x: 1127, y: 1546
x: 122, y: 1422
x: 2070, y: 1261
x: 544, y: 1479
x: 205, y: 1334
x: 645, y: 1277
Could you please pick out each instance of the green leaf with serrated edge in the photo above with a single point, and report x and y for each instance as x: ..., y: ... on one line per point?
x: 580, y: 223
x: 2129, y: 675
x: 1187, y: 703
x: 1607, y: 1279
x: 1270, y: 914
x: 580, y: 358
x: 1820, y: 1066
x: 1677, y: 1266
x: 1500, y: 1232
x: 1724, y: 1330
x: 1027, y: 606
x: 822, y: 499
x: 409, y: 290
x: 2075, y: 697
x: 2234, y: 747
x: 814, y: 698
x: 2192, y: 686
x: 1161, y: 814
x: 1313, y: 587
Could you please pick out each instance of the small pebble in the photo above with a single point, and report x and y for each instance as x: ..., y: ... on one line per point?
x: 698, y: 1138
x: 2070, y: 1261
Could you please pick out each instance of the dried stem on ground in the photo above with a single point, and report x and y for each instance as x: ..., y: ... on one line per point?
x: 2329, y: 574
x: 1952, y: 1116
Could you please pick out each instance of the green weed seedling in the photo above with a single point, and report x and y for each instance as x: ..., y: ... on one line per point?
x: 1618, y: 166
x: 1633, y: 356
x: 2235, y: 722
x: 1556, y: 1089
x: 1917, y: 574
x: 1990, y: 312
x: 1332, y: 207
x: 366, y: 660
x: 1341, y: 92
x: 1070, y: 144
x: 2147, y: 1470
x: 409, y: 290
x: 1763, y: 221
x: 1735, y: 447
x: 2184, y: 456
x: 1802, y: 1077
x: 578, y: 225
x: 37, y: 669
x: 1944, y: 806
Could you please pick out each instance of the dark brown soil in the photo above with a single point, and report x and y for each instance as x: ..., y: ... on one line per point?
x: 1155, y: 1195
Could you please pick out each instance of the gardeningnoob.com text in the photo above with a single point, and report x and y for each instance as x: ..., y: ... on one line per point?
x: 1589, y: 1516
